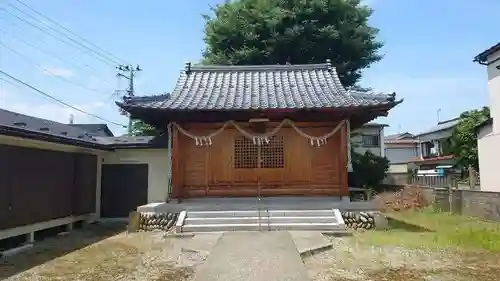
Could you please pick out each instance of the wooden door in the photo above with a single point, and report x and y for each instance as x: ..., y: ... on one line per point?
x: 124, y: 187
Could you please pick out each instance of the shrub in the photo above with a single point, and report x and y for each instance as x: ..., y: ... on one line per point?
x: 369, y: 170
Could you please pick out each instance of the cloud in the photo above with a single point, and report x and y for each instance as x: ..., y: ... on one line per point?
x: 58, y: 71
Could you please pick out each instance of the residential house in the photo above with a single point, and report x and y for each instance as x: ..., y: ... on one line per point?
x: 370, y: 137
x: 54, y: 174
x: 489, y: 132
x: 401, y: 150
x: 434, y: 146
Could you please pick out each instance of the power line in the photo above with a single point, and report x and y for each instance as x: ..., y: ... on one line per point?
x: 57, y: 100
x: 65, y: 35
x: 57, y: 57
x: 69, y: 31
x: 52, y: 35
x: 48, y: 70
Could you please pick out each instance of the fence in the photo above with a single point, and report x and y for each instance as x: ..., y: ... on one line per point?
x: 436, y: 182
x: 474, y: 203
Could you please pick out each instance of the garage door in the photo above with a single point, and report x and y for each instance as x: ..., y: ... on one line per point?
x: 123, y: 188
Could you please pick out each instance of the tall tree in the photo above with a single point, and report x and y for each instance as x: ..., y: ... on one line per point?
x: 293, y: 31
x: 140, y: 128
x: 464, y: 139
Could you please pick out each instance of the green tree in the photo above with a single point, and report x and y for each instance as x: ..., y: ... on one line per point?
x: 293, y: 31
x: 369, y: 170
x: 140, y: 128
x: 464, y: 137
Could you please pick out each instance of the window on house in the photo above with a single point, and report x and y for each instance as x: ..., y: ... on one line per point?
x: 370, y: 140
x: 247, y: 155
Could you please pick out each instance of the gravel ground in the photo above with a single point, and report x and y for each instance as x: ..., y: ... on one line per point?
x: 97, y: 253
x: 350, y: 260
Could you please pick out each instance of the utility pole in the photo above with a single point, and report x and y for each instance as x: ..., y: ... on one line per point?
x: 130, y: 90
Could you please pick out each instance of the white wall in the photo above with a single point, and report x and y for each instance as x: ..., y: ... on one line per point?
x: 358, y: 146
x: 400, y: 154
x: 489, y: 155
x: 399, y: 168
x: 489, y: 136
x: 158, y: 167
x: 494, y: 89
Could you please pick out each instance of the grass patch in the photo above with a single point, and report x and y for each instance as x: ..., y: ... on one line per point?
x: 446, y: 231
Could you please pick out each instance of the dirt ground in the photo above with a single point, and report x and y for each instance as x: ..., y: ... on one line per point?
x: 352, y: 259
x: 99, y: 252
x: 106, y: 252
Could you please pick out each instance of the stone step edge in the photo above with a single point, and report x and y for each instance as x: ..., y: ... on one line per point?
x: 256, y: 211
x: 262, y: 224
x: 261, y: 218
x: 270, y: 213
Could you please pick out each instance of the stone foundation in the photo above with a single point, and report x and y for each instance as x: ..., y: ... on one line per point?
x: 157, y: 221
x: 364, y: 220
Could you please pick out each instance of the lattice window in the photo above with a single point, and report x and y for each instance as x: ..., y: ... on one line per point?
x: 246, y: 154
x: 272, y: 154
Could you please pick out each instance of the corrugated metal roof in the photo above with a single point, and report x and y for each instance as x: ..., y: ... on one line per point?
x: 255, y: 87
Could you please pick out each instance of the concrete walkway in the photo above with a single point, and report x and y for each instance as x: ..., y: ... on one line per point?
x: 253, y: 256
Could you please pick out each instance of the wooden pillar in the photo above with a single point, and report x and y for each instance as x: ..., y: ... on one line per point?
x: 344, y: 155
x: 348, y: 144
x: 176, y: 169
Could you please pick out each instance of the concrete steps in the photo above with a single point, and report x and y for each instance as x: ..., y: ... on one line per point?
x: 265, y: 220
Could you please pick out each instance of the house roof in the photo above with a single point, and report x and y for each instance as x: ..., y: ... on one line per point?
x: 134, y: 141
x: 25, y: 126
x: 98, y: 130
x: 401, y: 138
x: 29, y: 123
x: 258, y: 87
x: 375, y: 125
x: 441, y: 126
x: 483, y: 56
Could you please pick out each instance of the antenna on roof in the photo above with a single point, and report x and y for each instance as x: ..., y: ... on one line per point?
x: 438, y: 113
x: 71, y: 119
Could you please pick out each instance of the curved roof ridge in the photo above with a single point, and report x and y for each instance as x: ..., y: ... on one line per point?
x: 152, y: 98
x: 270, y: 67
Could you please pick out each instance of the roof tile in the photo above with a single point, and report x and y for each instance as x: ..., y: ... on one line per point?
x: 254, y: 87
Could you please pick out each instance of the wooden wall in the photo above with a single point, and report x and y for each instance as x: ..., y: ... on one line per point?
x: 38, y: 185
x: 306, y: 170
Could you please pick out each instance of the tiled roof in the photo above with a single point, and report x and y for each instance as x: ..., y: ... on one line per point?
x: 399, y: 136
x: 134, y: 141
x: 98, y: 130
x: 12, y: 123
x: 26, y: 122
x: 443, y: 125
x: 255, y: 87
